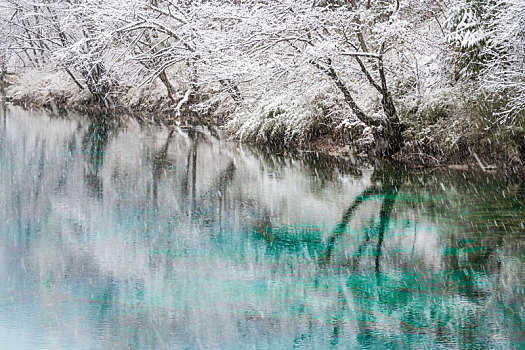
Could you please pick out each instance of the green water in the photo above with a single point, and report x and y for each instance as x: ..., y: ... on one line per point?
x: 122, y: 236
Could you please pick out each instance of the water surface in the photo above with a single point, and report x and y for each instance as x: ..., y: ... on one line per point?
x: 122, y: 236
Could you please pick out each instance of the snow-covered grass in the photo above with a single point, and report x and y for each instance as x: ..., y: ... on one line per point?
x: 44, y: 87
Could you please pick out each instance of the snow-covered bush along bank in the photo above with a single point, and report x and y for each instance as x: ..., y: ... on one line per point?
x: 287, y: 121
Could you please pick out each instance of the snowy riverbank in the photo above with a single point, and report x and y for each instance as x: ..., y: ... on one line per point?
x: 309, y: 130
x: 428, y: 83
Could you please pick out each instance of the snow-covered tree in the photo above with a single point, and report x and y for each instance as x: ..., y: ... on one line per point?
x: 467, y: 31
x: 504, y: 72
x: 68, y: 34
x: 488, y: 36
x: 347, y: 43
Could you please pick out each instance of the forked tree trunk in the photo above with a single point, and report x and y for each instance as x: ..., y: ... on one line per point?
x: 389, y: 136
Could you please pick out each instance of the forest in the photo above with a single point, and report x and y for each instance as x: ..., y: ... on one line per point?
x: 428, y: 82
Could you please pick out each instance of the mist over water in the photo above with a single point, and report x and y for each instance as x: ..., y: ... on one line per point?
x: 114, y: 235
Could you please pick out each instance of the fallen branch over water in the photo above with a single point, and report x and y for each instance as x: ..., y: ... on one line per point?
x: 484, y: 167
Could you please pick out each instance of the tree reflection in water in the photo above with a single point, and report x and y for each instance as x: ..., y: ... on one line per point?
x: 94, y: 144
x: 120, y: 236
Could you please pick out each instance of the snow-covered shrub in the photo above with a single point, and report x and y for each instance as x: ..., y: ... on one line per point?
x: 436, y: 124
x: 453, y: 123
x: 287, y: 122
x: 358, y: 134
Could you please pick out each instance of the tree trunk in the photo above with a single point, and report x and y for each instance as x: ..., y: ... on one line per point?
x: 393, y: 127
x: 2, y: 75
x: 164, y: 79
x: 98, y: 83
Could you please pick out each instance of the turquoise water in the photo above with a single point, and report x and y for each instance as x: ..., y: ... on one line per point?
x: 125, y: 236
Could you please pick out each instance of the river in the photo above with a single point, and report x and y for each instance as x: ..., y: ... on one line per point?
x: 118, y: 236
